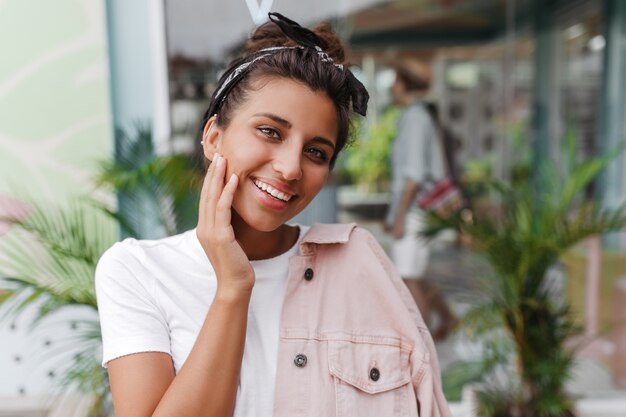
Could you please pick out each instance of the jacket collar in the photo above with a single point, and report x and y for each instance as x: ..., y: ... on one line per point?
x: 323, y: 234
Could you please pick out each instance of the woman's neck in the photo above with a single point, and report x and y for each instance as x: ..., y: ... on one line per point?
x: 411, y: 98
x: 263, y: 245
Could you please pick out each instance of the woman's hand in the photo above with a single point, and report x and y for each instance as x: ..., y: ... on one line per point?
x: 216, y: 235
x: 397, y: 231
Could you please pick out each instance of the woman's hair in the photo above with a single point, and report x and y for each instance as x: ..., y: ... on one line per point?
x: 272, y: 51
x: 414, y: 74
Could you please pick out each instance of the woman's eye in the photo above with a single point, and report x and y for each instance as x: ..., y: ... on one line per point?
x: 269, y: 132
x: 317, y: 154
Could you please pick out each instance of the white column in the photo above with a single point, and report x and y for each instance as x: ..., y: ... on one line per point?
x: 138, y: 65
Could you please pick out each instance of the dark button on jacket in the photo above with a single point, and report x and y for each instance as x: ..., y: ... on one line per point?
x: 300, y: 360
x: 308, y: 274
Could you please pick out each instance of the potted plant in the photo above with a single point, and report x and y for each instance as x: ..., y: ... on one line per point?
x: 527, y: 360
x: 67, y: 241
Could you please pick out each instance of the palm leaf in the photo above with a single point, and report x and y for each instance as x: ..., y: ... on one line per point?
x: 158, y: 195
x: 51, y: 257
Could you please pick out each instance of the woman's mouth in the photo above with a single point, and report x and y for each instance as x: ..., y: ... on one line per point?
x: 268, y: 189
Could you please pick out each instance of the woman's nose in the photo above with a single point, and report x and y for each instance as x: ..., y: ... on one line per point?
x: 288, y: 163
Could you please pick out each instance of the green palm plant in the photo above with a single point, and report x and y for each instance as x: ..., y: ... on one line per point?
x: 48, y: 264
x: 537, y: 222
x: 49, y: 259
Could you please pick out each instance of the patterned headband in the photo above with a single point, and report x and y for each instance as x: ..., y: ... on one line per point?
x: 304, y: 38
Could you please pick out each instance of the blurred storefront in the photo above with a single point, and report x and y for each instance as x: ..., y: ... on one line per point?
x: 509, y: 72
x: 512, y: 78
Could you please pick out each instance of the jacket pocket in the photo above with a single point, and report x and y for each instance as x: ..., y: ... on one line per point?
x: 371, y: 379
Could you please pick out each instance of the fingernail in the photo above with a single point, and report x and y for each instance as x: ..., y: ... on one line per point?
x: 233, y: 177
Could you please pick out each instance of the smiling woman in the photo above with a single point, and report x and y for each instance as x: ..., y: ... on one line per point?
x: 248, y: 315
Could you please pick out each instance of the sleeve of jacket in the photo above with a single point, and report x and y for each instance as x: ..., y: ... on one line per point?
x: 425, y: 372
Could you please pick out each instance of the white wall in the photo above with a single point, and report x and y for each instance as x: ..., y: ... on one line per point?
x: 55, y: 122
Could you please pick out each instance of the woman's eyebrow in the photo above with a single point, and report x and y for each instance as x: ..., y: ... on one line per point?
x: 275, y: 118
x: 285, y: 123
x: 324, y: 141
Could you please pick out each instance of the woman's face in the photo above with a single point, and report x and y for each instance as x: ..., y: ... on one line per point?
x: 279, y: 143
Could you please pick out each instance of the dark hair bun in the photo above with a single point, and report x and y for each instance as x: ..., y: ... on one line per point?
x: 269, y: 35
x: 332, y: 44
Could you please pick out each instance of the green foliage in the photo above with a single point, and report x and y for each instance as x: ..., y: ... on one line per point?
x: 497, y: 348
x: 366, y: 161
x: 50, y: 257
x: 478, y: 171
x: 159, y: 188
x: 458, y: 375
x: 534, y: 225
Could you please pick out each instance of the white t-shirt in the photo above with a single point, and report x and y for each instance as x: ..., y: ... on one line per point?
x: 153, y: 296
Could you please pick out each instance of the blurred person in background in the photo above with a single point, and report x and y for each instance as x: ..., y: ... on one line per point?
x: 247, y: 315
x: 416, y: 157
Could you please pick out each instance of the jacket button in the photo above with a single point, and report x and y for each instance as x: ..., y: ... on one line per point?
x: 308, y: 274
x: 374, y: 374
x: 300, y: 360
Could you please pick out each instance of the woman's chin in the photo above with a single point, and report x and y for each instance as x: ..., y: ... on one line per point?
x: 260, y: 223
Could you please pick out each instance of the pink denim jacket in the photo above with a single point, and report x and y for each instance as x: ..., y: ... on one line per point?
x: 352, y: 342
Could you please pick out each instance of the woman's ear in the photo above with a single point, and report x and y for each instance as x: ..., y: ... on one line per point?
x: 211, y: 138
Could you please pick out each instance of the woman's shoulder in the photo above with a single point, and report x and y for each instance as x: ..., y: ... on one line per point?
x: 174, y: 242
x: 417, y: 111
x: 132, y: 253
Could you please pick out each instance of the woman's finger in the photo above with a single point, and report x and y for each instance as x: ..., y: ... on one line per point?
x: 215, y: 186
x: 223, y: 210
x: 203, y: 203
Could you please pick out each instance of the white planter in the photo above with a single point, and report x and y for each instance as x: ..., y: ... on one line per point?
x: 23, y: 407
x: 44, y: 406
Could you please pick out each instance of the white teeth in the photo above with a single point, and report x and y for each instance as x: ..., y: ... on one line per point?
x: 272, y: 191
